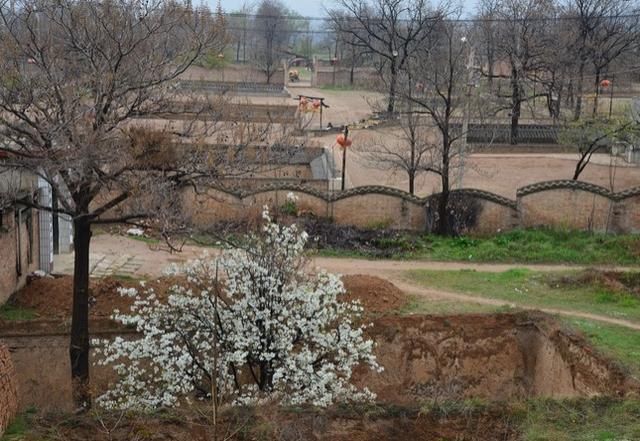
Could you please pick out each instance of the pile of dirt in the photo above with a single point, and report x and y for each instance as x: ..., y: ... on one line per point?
x: 52, y: 297
x: 374, y: 293
x: 621, y: 282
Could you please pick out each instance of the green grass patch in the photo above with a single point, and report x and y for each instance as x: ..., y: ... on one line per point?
x: 535, y: 289
x: 11, y: 312
x: 598, y: 419
x: 538, y: 246
x: 19, y: 427
x: 617, y: 342
x: 517, y: 246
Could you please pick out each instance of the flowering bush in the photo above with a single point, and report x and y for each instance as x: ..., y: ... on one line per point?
x: 249, y: 325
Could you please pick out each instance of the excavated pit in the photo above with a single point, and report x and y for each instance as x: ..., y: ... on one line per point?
x: 492, y: 356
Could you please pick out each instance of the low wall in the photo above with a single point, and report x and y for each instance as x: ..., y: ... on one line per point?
x: 233, y: 73
x: 579, y: 205
x: 8, y: 391
x: 571, y: 205
x: 367, y: 207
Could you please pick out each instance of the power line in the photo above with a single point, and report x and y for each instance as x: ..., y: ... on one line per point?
x: 560, y: 18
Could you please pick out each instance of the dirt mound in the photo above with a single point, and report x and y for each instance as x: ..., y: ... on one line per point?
x: 53, y: 297
x: 622, y: 282
x: 376, y: 294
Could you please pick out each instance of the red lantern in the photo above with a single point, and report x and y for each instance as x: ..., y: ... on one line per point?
x: 605, y: 83
x: 316, y: 104
x: 303, y: 103
x: 343, y: 142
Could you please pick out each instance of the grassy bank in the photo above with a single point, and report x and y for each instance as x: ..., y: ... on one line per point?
x: 571, y: 290
x: 518, y: 246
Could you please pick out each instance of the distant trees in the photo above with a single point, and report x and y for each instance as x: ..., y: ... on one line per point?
x: 393, y: 31
x: 272, y: 33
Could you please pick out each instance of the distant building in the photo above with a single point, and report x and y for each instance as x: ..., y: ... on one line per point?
x: 311, y: 167
x: 27, y: 234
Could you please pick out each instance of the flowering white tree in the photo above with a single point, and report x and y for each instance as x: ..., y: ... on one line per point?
x: 249, y: 325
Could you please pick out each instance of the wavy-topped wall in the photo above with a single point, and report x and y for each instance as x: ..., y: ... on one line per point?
x: 562, y: 204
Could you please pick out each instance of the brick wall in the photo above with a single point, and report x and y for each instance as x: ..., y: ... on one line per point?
x: 559, y: 204
x: 27, y: 255
x: 8, y: 392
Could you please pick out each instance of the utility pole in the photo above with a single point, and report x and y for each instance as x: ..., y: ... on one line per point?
x: 344, y: 156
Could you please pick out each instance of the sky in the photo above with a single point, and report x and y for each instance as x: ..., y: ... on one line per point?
x: 308, y: 8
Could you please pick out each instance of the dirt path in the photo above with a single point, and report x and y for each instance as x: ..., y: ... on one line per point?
x: 107, y: 259
x: 436, y: 294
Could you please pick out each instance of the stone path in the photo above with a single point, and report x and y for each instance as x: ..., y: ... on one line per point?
x: 101, y: 265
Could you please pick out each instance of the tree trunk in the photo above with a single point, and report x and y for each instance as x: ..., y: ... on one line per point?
x: 515, y: 106
x: 443, y: 227
x: 412, y: 180
x: 392, y: 89
x: 597, y: 95
x: 578, y: 110
x: 79, y: 345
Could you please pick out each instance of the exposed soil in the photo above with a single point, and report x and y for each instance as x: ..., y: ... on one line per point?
x: 377, y: 295
x: 489, y: 356
x: 51, y: 297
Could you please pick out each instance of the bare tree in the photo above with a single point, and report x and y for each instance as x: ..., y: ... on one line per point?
x: 272, y: 33
x: 74, y: 77
x: 439, y: 85
x: 486, y: 29
x: 604, y: 30
x: 239, y: 30
x: 347, y: 51
x: 596, y: 135
x: 411, y: 153
x: 394, y: 30
x: 522, y: 43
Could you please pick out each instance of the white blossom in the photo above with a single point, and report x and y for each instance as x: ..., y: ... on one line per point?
x: 254, y: 320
